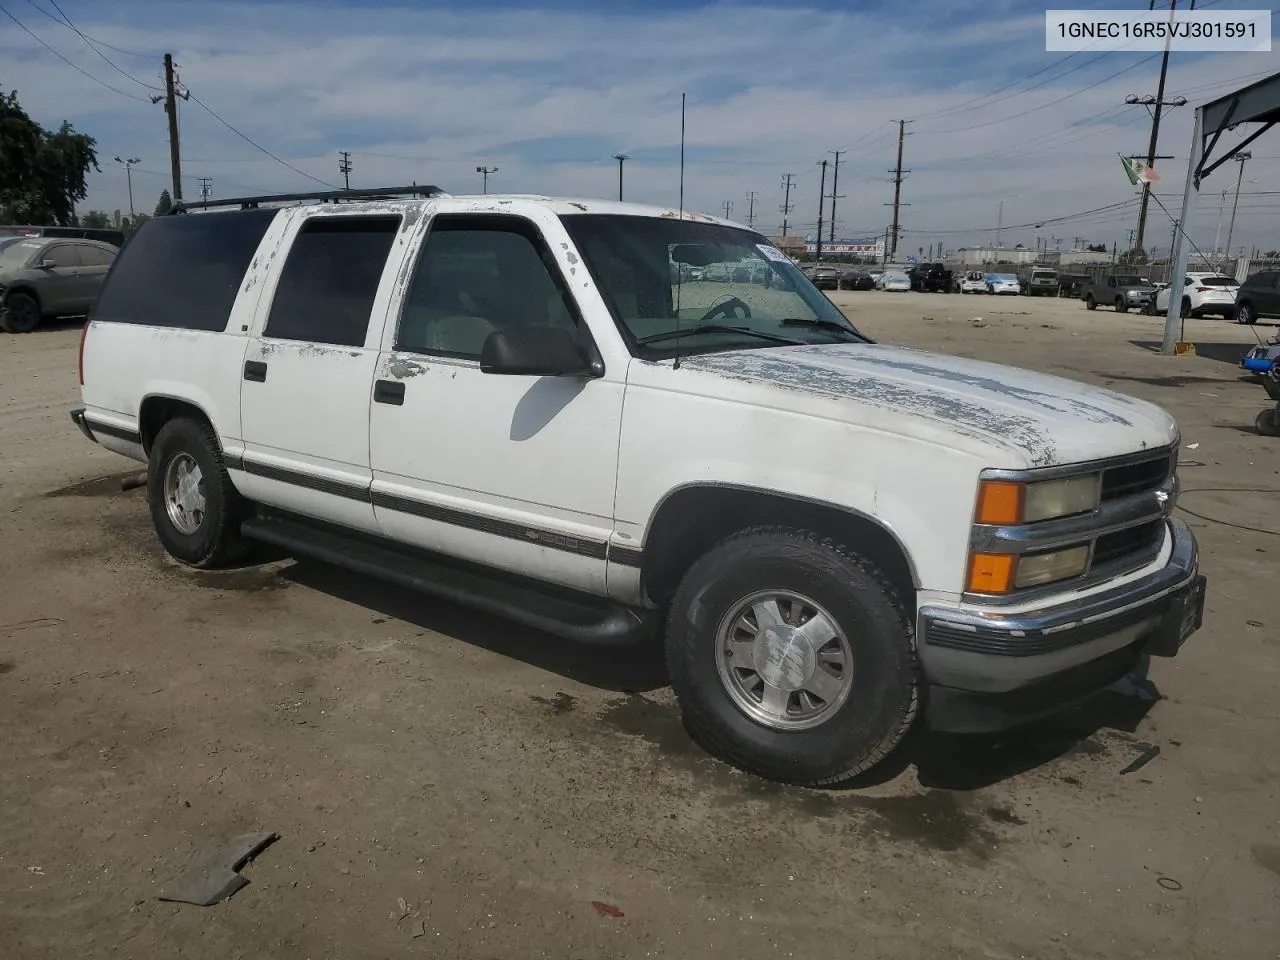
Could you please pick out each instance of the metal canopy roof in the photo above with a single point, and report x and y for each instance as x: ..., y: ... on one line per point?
x: 1257, y: 103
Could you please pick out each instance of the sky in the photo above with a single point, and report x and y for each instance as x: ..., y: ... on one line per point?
x: 1002, y: 135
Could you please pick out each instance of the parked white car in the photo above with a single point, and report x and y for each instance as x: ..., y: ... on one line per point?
x: 1003, y: 284
x: 974, y: 282
x: 515, y: 403
x: 896, y: 282
x: 1203, y: 294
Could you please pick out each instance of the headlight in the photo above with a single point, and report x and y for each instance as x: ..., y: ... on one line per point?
x: 1006, y: 502
x: 1000, y: 574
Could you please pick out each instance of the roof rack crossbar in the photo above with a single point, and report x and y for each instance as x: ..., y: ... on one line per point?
x: 326, y: 196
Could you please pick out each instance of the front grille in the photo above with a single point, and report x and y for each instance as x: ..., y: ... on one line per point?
x: 1137, y: 544
x: 1137, y: 477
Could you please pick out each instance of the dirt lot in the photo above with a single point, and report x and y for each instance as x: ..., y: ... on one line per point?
x: 447, y: 785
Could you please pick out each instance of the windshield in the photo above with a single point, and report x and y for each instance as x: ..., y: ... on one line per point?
x: 1004, y: 278
x: 1215, y: 282
x: 1130, y: 282
x: 660, y: 276
x: 1044, y: 275
x: 14, y: 251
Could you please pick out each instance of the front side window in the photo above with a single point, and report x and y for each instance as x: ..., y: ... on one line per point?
x: 330, y: 280
x: 477, y: 275
x: 64, y: 256
x: 701, y: 287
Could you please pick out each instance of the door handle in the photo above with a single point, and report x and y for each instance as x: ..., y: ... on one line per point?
x: 255, y: 370
x: 389, y: 391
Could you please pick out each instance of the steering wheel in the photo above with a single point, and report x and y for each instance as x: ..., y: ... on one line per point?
x: 728, y: 309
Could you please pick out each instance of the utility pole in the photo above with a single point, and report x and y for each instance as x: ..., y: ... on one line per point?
x: 344, y: 168
x: 206, y: 189
x: 822, y: 186
x: 485, y: 171
x: 835, y: 194
x: 897, y: 172
x: 1173, y: 237
x: 751, y: 208
x: 728, y: 208
x: 884, y: 251
x: 1239, y: 158
x: 787, y: 183
x: 1157, y: 105
x: 171, y: 108
x: 621, y: 158
x: 128, y: 173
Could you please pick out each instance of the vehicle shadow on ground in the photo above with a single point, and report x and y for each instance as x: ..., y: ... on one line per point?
x: 973, y: 761
x: 630, y: 669
x: 1223, y: 352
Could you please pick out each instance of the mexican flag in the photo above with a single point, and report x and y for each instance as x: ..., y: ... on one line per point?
x: 1138, y: 171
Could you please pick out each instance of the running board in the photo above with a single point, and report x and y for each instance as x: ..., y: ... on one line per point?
x: 579, y: 618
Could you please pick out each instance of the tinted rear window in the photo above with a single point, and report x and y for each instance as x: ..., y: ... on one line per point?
x: 329, y: 282
x: 183, y: 271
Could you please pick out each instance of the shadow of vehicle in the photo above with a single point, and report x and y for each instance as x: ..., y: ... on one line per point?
x: 1223, y: 352
x: 633, y: 669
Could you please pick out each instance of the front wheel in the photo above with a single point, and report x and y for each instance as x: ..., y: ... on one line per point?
x: 1121, y: 305
x: 791, y: 657
x: 194, y: 506
x: 1267, y: 423
x: 1090, y: 303
x: 21, y: 313
x: 1246, y: 314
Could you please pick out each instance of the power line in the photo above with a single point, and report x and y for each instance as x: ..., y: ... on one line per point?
x: 253, y: 143
x: 73, y: 66
x: 66, y: 21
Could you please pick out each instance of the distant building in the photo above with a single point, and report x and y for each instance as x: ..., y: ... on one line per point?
x: 1082, y: 257
x: 979, y: 256
x: 792, y: 246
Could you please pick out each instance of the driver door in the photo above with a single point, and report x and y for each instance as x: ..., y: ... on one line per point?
x: 514, y: 472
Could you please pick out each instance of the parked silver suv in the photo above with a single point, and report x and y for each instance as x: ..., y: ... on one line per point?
x: 49, y: 277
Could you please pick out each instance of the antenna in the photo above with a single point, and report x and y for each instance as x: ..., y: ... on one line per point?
x: 679, y: 274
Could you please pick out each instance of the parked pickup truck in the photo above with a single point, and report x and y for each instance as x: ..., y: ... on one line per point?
x: 1122, y: 292
x: 521, y: 404
x: 930, y: 277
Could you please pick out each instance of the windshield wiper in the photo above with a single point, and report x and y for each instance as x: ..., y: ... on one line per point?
x: 821, y: 325
x: 715, y: 328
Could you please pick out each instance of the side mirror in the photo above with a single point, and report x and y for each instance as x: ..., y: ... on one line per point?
x: 533, y: 352
x: 46, y: 264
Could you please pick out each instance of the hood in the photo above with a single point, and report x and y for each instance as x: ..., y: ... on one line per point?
x: 1034, y: 419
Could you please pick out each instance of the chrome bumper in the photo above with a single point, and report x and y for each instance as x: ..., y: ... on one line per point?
x: 993, y: 652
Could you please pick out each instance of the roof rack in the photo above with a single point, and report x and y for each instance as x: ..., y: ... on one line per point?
x: 327, y: 196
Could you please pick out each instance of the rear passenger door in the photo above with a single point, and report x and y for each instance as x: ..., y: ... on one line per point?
x: 95, y: 262
x: 308, y: 371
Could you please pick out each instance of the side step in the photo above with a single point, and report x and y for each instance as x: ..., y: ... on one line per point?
x: 579, y: 618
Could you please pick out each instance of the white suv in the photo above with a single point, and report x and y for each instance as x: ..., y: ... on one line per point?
x: 1203, y: 294
x: 528, y: 405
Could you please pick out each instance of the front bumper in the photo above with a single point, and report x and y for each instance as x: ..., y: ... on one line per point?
x: 990, y: 669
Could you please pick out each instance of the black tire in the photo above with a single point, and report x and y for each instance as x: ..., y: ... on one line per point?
x: 1185, y: 310
x: 21, y: 313
x: 1246, y: 314
x: 1122, y: 305
x: 1151, y: 307
x: 1268, y: 423
x: 217, y: 537
x: 1090, y: 303
x: 885, y: 695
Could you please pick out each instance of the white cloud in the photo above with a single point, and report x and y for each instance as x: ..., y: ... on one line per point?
x: 770, y: 92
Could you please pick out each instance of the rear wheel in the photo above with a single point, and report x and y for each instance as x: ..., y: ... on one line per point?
x: 195, y: 508
x: 1090, y: 303
x: 1267, y: 423
x: 21, y: 313
x: 1121, y: 305
x: 1185, y: 310
x: 791, y: 657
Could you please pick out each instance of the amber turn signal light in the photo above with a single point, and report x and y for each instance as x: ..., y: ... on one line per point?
x: 992, y: 573
x: 1000, y: 502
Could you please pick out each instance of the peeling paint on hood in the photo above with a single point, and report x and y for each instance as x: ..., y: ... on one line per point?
x: 1044, y: 419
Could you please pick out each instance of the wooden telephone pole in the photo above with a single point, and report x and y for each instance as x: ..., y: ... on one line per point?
x: 171, y: 108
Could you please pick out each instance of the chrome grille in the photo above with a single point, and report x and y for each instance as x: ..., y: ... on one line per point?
x: 1139, y: 477
x: 1134, y: 544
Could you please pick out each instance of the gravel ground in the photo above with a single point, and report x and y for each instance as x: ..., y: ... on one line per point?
x: 448, y: 785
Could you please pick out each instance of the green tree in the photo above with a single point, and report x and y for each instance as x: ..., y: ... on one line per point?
x: 164, y: 204
x: 97, y: 219
x: 42, y: 172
